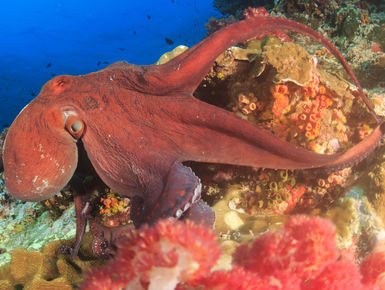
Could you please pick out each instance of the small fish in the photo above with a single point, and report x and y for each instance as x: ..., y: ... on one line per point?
x: 148, y: 16
x: 134, y: 31
x: 122, y: 48
x: 48, y: 65
x: 105, y: 62
x: 169, y: 41
x: 99, y: 63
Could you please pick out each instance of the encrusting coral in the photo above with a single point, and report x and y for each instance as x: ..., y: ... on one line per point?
x: 177, y: 255
x: 48, y: 268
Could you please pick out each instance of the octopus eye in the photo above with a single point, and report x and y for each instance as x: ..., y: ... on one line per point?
x: 74, y: 126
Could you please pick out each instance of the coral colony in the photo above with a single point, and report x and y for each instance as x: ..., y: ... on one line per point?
x: 176, y: 255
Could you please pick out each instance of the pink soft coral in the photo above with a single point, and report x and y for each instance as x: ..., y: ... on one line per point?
x: 373, y: 269
x: 236, y: 279
x: 302, y: 249
x: 338, y: 275
x: 158, y: 257
x: 177, y: 255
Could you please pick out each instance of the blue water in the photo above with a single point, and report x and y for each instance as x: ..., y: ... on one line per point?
x: 42, y: 38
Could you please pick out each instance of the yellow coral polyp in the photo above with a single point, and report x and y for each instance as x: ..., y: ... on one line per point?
x: 322, y: 90
x: 364, y: 132
x: 284, y: 175
x: 112, y: 204
x: 281, y: 89
x: 273, y: 186
x: 310, y: 135
x: 220, y: 75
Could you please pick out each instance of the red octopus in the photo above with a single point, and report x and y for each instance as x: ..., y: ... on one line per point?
x: 135, y: 125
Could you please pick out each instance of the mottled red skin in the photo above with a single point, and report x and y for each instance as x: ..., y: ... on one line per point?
x: 139, y: 123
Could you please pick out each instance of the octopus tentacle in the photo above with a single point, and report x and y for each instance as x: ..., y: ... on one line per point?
x: 182, y: 189
x: 218, y: 136
x: 185, y: 72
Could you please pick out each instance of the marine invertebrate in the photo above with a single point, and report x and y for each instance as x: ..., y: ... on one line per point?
x: 237, y: 278
x: 336, y: 275
x: 159, y: 257
x: 308, y: 119
x: 166, y: 127
x: 373, y: 268
x: 269, y: 192
x: 113, y: 209
x: 47, y: 268
x: 248, y: 104
x: 301, y: 249
x: 302, y: 255
x: 281, y: 100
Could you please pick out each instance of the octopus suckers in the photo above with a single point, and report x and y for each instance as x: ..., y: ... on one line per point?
x: 197, y: 193
x: 178, y: 213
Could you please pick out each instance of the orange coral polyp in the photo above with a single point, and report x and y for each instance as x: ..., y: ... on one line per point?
x: 312, y: 117
x: 302, y: 117
x: 281, y: 88
x: 243, y: 100
x: 252, y: 106
x: 310, y: 135
x: 321, y: 182
x: 277, y: 95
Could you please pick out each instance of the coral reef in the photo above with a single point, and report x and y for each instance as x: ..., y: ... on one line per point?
x: 302, y: 255
x: 357, y: 27
x: 280, y: 86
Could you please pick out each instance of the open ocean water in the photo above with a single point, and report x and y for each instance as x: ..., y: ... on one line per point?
x: 41, y: 39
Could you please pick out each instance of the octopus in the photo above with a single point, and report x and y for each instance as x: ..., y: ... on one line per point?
x: 133, y: 126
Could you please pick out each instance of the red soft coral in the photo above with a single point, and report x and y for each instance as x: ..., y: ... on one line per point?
x: 303, y: 255
x: 339, y: 275
x: 236, y: 279
x: 373, y: 269
x: 159, y: 257
x: 302, y: 249
x: 114, y: 276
